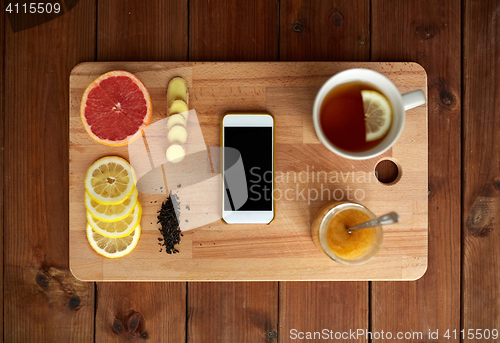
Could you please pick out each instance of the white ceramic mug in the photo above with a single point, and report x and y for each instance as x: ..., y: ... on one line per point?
x: 400, y: 103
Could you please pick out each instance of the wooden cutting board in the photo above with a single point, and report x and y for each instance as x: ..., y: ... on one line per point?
x: 283, y: 250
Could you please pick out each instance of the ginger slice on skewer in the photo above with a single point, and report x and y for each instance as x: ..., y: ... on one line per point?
x: 176, y: 119
x: 179, y: 106
x: 177, y: 134
x: 175, y: 153
x: 176, y: 90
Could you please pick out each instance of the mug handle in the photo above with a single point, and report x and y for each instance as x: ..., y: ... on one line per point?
x: 413, y: 99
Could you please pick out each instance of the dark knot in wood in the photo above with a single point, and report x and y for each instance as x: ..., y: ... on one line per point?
x: 118, y: 326
x: 496, y: 183
x: 42, y: 280
x: 430, y: 192
x: 297, y: 27
x: 133, y: 321
x: 427, y: 33
x: 74, y: 302
x: 443, y: 94
x: 479, y: 222
x: 337, y: 18
x: 144, y: 335
x: 272, y: 334
x: 446, y: 97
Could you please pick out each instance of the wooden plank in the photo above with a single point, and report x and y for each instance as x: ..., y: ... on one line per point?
x: 307, y: 308
x: 481, y: 182
x: 43, y: 302
x: 247, y: 310
x: 2, y: 167
x: 323, y: 30
x: 429, y: 33
x: 129, y: 31
x: 233, y: 31
x: 140, y: 310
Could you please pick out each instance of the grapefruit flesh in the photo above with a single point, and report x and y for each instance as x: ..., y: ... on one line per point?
x: 116, y: 108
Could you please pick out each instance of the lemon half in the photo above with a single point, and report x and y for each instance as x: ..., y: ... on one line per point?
x: 113, y: 247
x: 378, y: 114
x: 119, y: 228
x: 110, y: 180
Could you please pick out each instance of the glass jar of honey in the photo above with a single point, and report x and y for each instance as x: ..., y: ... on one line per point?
x: 329, y: 231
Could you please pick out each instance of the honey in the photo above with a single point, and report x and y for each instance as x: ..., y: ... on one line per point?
x: 330, y: 234
x: 349, y: 245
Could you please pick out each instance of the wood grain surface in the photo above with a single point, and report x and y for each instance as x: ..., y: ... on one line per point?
x: 215, y: 251
x: 233, y: 31
x: 314, y: 306
x: 481, y: 169
x: 232, y: 311
x: 43, y: 302
x: 323, y: 31
x: 129, y: 31
x: 2, y: 167
x: 140, y: 311
x: 433, y: 302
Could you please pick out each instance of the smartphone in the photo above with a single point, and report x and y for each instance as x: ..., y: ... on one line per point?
x: 248, y: 168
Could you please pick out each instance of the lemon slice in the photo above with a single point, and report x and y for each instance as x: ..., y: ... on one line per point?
x: 378, y: 115
x: 117, y: 229
x: 113, y: 247
x: 111, y: 213
x: 110, y: 180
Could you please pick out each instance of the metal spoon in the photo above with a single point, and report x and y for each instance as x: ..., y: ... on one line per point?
x: 389, y: 218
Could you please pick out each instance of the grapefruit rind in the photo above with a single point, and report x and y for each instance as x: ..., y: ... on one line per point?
x: 146, y: 120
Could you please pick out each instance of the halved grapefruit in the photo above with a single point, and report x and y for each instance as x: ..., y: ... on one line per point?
x: 116, y: 108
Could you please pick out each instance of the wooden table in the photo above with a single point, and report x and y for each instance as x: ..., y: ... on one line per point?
x: 454, y: 41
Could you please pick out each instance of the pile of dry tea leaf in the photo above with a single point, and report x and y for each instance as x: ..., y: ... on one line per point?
x: 170, y: 230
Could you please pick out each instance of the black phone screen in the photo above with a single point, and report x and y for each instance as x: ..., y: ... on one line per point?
x: 255, y: 147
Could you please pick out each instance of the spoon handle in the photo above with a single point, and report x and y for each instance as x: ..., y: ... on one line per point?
x: 389, y: 218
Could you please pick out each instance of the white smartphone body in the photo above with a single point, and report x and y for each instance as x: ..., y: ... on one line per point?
x: 248, y: 168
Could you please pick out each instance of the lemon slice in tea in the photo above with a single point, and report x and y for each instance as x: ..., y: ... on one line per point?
x: 113, y: 247
x: 110, y: 180
x: 111, y: 213
x: 119, y: 228
x: 378, y: 114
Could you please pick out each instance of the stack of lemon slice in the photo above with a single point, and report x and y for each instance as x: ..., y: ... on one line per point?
x: 113, y: 208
